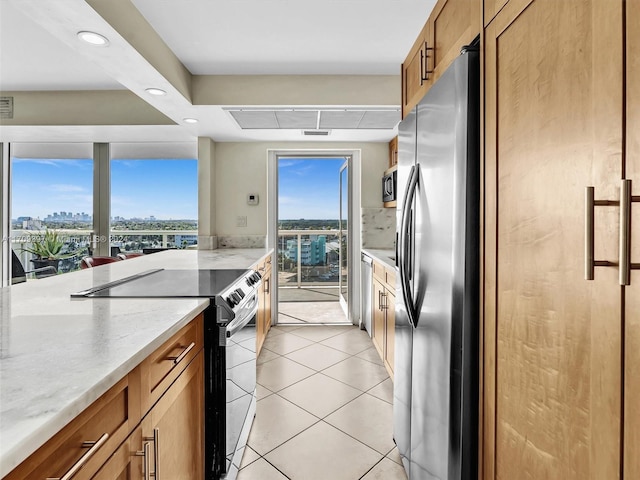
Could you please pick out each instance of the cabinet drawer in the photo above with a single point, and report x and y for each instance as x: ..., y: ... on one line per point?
x: 379, y: 272
x: 163, y: 366
x: 89, y: 439
x: 390, y: 278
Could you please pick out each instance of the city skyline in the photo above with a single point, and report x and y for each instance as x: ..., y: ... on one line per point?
x: 139, y: 188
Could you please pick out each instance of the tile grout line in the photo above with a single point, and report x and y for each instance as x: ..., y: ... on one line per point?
x: 321, y: 372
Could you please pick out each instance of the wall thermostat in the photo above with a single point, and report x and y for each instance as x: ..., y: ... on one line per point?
x: 252, y: 199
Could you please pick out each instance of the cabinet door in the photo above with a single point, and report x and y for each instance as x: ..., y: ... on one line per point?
x: 454, y: 24
x: 267, y: 300
x: 393, y: 151
x: 632, y: 292
x: 491, y: 8
x: 126, y: 463
x: 415, y: 68
x: 378, y: 317
x: 552, y: 341
x: 174, y: 427
x: 390, y: 328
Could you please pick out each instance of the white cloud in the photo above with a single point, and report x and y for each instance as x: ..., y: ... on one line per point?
x: 64, y: 188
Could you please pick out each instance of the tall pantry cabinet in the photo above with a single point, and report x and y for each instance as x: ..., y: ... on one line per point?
x: 632, y: 292
x: 561, y: 353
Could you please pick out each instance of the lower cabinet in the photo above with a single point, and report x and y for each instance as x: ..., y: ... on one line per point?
x: 126, y: 463
x: 174, y: 428
x: 263, y: 317
x: 170, y: 440
x: 383, y: 311
x: 138, y: 429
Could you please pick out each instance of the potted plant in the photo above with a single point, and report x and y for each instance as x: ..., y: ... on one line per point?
x: 47, y: 248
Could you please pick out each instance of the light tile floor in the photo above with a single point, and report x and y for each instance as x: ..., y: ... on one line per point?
x: 324, y: 408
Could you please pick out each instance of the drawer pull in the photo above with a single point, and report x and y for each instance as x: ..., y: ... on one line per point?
x: 93, y: 448
x: 179, y: 358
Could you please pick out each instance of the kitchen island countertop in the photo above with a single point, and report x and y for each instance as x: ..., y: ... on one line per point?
x: 58, y: 355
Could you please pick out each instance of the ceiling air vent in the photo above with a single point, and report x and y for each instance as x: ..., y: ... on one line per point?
x: 316, y: 132
x: 6, y: 107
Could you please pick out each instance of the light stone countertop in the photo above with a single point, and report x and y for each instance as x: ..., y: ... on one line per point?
x: 58, y: 355
x: 387, y: 257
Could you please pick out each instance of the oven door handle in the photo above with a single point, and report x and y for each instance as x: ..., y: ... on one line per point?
x: 240, y: 322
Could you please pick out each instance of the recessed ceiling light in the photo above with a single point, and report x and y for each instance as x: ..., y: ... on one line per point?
x: 93, y: 38
x: 156, y: 91
x: 190, y: 120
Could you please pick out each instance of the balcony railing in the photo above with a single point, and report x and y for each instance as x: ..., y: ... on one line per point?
x: 308, y: 258
x: 83, y: 241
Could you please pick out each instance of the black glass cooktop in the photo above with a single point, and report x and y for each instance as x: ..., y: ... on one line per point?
x: 167, y: 283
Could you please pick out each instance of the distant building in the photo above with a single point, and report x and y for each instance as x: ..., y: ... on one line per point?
x: 30, y: 223
x: 312, y: 250
x: 186, y: 240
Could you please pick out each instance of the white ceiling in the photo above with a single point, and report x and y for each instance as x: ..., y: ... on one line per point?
x: 209, y: 37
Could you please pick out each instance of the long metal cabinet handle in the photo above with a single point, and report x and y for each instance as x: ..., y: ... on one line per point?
x: 425, y: 72
x: 626, y: 199
x: 179, y: 358
x: 147, y: 464
x: 589, y: 256
x: 625, y: 231
x: 156, y: 453
x: 93, y: 448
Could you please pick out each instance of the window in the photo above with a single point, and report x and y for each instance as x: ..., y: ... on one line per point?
x: 51, y: 191
x: 154, y: 200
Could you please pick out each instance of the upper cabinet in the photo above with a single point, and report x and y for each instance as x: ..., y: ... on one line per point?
x: 491, y: 9
x: 451, y: 25
x: 415, y: 71
x: 393, y: 152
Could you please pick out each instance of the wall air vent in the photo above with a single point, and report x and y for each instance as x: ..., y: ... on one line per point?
x: 316, y: 132
x: 6, y: 107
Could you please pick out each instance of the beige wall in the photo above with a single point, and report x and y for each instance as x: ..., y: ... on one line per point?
x: 241, y: 168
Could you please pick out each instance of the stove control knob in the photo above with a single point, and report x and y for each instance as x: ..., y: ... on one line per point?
x: 240, y: 292
x: 230, y: 301
x: 236, y: 298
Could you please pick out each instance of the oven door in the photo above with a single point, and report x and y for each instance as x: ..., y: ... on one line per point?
x: 240, y: 359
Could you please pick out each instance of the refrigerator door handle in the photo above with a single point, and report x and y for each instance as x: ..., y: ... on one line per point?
x: 405, y: 242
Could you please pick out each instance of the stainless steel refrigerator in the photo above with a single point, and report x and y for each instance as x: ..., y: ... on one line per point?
x: 436, y: 333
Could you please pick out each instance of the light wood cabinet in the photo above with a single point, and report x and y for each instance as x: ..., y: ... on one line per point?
x: 451, y: 25
x: 632, y: 292
x: 104, y: 425
x: 416, y: 70
x: 491, y: 9
x: 175, y: 427
x: 454, y: 24
x: 377, y: 323
x: 553, y: 369
x: 126, y: 463
x: 393, y: 151
x: 383, y: 312
x: 263, y: 317
x: 169, y: 384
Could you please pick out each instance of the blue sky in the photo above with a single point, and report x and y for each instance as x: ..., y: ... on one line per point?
x: 166, y: 189
x: 308, y: 188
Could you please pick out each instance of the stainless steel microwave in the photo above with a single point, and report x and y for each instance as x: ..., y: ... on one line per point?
x: 389, y: 185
